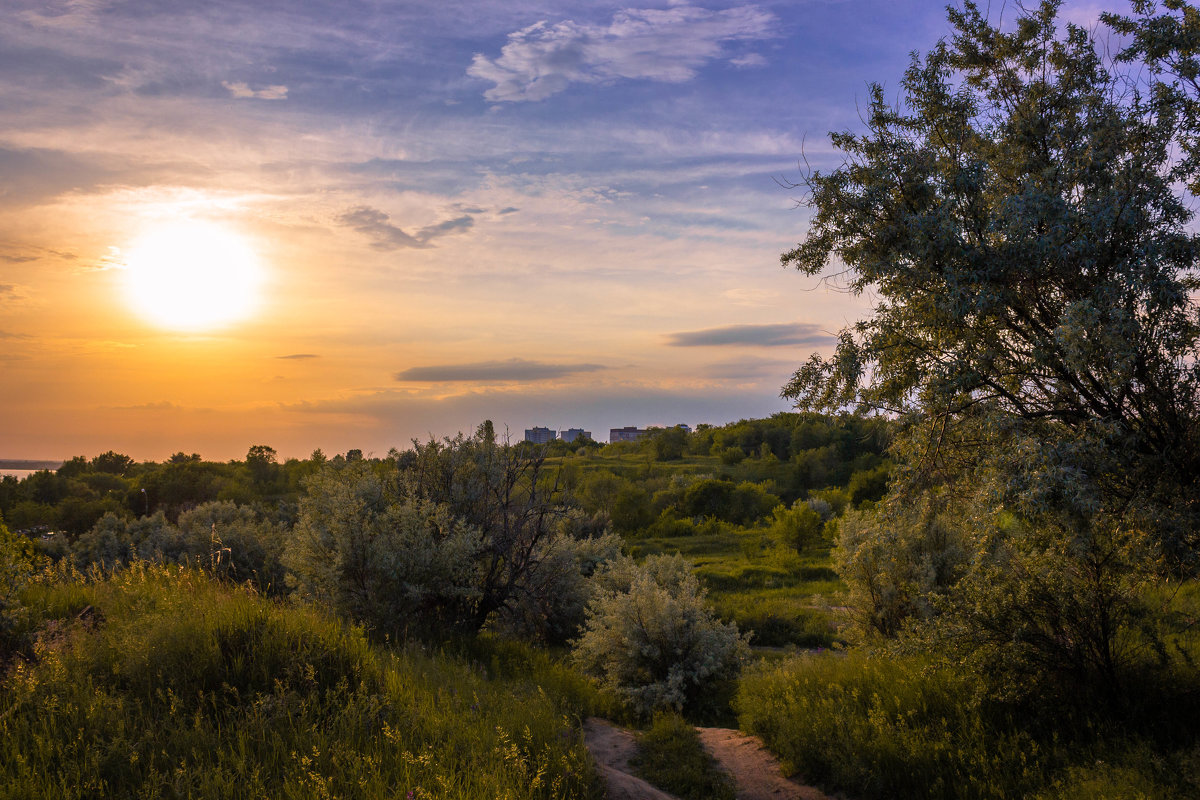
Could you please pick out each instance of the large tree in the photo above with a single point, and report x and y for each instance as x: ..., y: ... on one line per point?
x: 1019, y: 216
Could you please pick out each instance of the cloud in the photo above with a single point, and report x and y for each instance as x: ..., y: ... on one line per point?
x: 667, y: 45
x: 298, y: 356
x: 376, y: 224
x: 242, y: 90
x: 749, y: 60
x: 9, y: 291
x: 18, y: 259
x: 514, y: 369
x: 778, y: 335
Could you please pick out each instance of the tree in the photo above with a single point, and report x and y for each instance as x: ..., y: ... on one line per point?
x: 116, y: 463
x: 499, y: 489
x: 1018, y: 216
x: 262, y: 463
x: 463, y: 532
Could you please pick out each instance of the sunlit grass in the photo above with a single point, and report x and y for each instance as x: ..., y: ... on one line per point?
x: 175, y: 686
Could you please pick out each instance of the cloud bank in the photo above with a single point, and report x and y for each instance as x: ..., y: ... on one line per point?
x: 514, y: 369
x: 778, y: 335
x: 667, y: 45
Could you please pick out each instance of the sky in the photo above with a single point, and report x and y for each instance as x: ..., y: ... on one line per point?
x: 406, y: 217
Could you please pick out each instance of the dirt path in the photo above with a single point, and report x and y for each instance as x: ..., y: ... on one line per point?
x: 754, y: 770
x: 612, y: 747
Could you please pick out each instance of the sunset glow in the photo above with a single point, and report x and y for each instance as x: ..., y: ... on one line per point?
x: 346, y: 225
x: 192, y: 276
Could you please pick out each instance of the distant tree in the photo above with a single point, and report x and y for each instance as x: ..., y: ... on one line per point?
x: 74, y: 468
x: 116, y: 463
x: 668, y: 444
x: 261, y: 460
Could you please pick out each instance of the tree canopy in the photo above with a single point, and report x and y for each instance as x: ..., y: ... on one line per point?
x: 1020, y: 216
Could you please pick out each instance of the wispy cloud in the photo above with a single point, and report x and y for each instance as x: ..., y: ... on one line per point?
x: 298, y: 356
x: 777, y: 335
x: 514, y: 369
x: 242, y: 90
x: 667, y: 45
x: 376, y: 224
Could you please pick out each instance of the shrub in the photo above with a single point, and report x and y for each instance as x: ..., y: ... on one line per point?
x: 365, y: 550
x: 235, y: 543
x: 551, y: 608
x: 16, y: 566
x: 800, y: 526
x: 651, y: 639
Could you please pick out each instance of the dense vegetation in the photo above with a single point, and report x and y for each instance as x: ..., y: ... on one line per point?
x: 1022, y: 595
x: 1000, y: 545
x: 211, y: 611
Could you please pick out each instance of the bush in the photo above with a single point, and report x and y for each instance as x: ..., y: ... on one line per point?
x: 16, y: 566
x: 552, y: 609
x: 651, y: 639
x: 800, y: 526
x: 235, y: 544
x: 363, y: 549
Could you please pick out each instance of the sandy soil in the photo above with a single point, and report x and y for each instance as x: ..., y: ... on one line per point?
x: 754, y: 770
x: 611, y: 748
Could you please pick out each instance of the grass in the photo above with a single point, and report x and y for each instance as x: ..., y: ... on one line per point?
x: 885, y: 727
x: 671, y: 757
x: 782, y: 596
x: 174, y: 686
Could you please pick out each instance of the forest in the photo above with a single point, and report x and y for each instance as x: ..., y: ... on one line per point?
x: 964, y: 567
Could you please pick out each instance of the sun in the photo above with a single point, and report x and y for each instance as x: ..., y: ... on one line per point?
x: 192, y: 275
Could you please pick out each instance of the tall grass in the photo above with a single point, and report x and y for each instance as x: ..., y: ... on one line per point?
x: 174, y: 686
x: 671, y: 757
x: 889, y: 727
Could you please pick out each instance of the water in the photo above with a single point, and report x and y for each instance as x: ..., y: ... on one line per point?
x: 19, y: 474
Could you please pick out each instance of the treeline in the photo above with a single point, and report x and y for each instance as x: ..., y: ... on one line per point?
x: 737, y: 473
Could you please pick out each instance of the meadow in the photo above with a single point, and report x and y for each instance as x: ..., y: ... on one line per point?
x: 173, y: 653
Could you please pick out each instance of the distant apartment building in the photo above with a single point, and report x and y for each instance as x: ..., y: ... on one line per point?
x: 539, y: 435
x: 630, y: 433
x: 571, y: 434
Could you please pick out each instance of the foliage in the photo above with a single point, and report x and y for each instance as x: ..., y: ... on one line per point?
x: 16, y: 566
x: 366, y: 549
x: 179, y: 686
x: 1017, y: 214
x: 551, y: 607
x: 799, y: 526
x: 671, y: 757
x: 884, y: 726
x: 503, y: 492
x: 896, y: 563
x: 651, y: 639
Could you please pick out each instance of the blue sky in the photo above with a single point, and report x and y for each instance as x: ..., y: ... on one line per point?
x: 545, y: 213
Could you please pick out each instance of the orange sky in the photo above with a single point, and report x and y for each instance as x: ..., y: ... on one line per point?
x: 564, y: 214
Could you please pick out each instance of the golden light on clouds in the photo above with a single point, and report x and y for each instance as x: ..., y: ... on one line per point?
x: 192, y: 275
